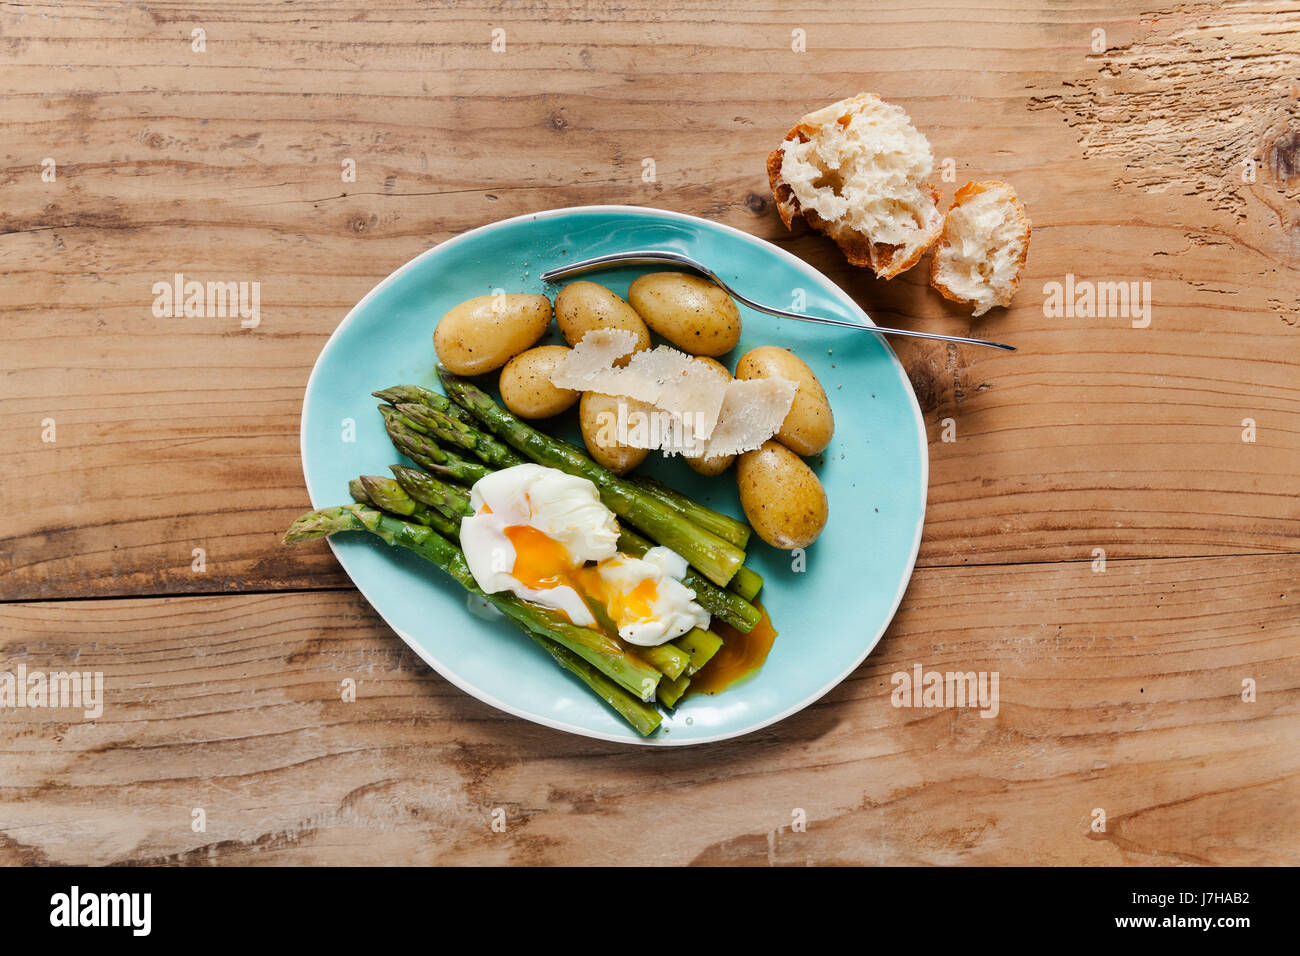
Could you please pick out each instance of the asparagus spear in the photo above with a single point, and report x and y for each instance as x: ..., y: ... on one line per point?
x: 426, y: 452
x: 643, y: 718
x: 671, y: 691
x: 429, y: 412
x: 357, y: 489
x: 701, y: 645
x: 747, y: 583
x: 715, y: 557
x: 720, y: 602
x: 387, y: 495
x: 439, y: 495
x: 443, y: 427
x: 724, y: 526
x: 596, y: 648
x: 400, y: 394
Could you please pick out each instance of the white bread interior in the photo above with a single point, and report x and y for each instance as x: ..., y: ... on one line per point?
x: 983, y: 248
x: 856, y: 170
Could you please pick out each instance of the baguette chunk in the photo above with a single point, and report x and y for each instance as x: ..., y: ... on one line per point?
x: 983, y: 248
x: 856, y: 171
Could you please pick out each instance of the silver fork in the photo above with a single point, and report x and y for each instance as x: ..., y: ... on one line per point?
x: 649, y: 256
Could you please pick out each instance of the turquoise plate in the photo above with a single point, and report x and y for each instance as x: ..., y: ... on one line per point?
x: 830, y: 608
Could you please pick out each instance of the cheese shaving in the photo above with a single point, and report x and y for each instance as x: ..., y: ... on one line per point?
x: 673, y: 402
x: 751, y: 414
x: 693, y: 391
x: 589, y: 366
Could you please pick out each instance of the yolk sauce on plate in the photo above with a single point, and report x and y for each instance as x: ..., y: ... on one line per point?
x: 741, y: 655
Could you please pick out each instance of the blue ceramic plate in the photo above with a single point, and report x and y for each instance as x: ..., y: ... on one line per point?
x: 829, y: 615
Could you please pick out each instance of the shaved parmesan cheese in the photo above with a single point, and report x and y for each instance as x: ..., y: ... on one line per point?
x: 672, y: 401
x: 589, y: 366
x: 688, y: 388
x: 751, y: 414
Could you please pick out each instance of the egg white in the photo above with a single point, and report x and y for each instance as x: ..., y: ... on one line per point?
x: 673, y: 610
x: 565, y: 508
x: 568, y: 510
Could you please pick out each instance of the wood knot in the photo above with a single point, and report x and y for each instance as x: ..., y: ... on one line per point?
x: 757, y: 204
x: 1282, y: 155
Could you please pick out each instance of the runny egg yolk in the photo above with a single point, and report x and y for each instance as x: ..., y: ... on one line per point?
x: 546, y: 537
x: 541, y: 562
x: 623, y: 607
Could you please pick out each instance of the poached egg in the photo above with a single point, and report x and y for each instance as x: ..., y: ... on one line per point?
x: 544, y: 536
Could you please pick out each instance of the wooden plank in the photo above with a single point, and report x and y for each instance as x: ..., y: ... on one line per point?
x: 174, y: 434
x: 1119, y: 690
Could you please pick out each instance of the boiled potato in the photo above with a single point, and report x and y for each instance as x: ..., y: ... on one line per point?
x: 484, y: 333
x: 782, y: 498
x: 711, y: 465
x: 583, y: 306
x: 598, y: 416
x: 689, y: 311
x: 526, y: 383
x: 808, y: 426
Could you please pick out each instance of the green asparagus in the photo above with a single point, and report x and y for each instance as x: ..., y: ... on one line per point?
x: 596, y: 648
x: 670, y: 692
x: 447, y: 499
x: 428, y: 411
x: 405, y: 394
x: 426, y: 452
x: 724, y: 526
x: 701, y: 645
x: 357, y: 489
x: 443, y: 427
x: 747, y: 583
x: 643, y: 718
x: 717, y: 558
x: 387, y: 495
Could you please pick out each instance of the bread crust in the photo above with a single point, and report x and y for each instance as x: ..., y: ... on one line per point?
x: 969, y: 191
x: 882, y: 258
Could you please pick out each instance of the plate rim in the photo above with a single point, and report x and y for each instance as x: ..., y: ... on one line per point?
x: 478, y: 693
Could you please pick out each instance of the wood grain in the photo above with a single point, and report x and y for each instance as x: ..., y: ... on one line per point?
x: 1120, y: 690
x: 1169, y: 154
x: 181, y: 433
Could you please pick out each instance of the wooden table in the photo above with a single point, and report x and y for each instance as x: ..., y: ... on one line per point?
x: 1150, y: 142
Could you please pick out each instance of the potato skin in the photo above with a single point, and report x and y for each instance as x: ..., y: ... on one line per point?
x: 809, y: 424
x: 474, y: 337
x: 712, y: 464
x: 689, y: 311
x: 620, y: 459
x: 783, y: 500
x: 583, y: 306
x: 526, y: 385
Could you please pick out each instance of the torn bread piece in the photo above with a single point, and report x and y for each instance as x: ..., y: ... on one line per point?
x: 983, y: 248
x: 856, y: 171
